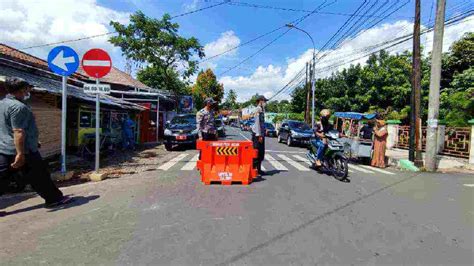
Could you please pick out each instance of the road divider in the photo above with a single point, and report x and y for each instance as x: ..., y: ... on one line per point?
x: 226, y: 162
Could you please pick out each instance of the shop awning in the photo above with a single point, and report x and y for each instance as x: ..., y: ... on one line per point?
x: 354, y: 115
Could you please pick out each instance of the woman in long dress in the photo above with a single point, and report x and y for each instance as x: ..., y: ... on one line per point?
x: 380, y: 141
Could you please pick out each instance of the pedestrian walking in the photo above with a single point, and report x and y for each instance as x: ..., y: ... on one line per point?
x: 380, y: 144
x: 258, y: 133
x: 19, y: 143
x: 205, y: 121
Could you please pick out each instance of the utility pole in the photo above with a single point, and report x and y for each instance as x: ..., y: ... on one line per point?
x: 435, y: 78
x: 415, y: 118
x: 308, y: 94
x: 313, y: 84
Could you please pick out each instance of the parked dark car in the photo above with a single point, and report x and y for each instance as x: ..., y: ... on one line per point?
x: 220, y: 128
x: 181, y: 131
x: 270, y: 130
x: 295, y: 132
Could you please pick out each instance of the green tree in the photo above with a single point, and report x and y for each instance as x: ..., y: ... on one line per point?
x: 155, y: 43
x: 457, y: 102
x: 298, y: 100
x: 272, y: 107
x: 207, y: 86
x: 230, y: 100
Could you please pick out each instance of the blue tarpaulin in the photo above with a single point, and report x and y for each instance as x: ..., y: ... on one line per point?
x: 353, y: 115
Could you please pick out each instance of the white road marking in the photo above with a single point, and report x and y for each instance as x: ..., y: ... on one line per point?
x: 302, y: 159
x: 275, y: 163
x: 292, y: 152
x: 191, y: 164
x: 263, y: 168
x: 293, y: 163
x: 469, y: 185
x: 360, y: 169
x: 172, y: 162
x: 244, y: 136
x: 377, y: 170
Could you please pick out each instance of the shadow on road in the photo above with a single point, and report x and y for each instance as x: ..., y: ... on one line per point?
x: 76, y: 201
x: 12, y: 199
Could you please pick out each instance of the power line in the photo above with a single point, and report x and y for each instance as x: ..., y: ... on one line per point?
x: 113, y: 32
x: 391, y: 43
x: 295, y: 22
x: 328, y: 42
x: 244, y: 4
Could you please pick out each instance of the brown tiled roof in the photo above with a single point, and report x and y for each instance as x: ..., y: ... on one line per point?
x: 22, y: 57
x: 27, y: 59
x: 117, y: 76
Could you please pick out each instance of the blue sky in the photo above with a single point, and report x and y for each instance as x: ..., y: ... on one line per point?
x: 218, y: 28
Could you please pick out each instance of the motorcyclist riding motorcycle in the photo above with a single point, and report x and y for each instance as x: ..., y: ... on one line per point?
x: 322, y: 127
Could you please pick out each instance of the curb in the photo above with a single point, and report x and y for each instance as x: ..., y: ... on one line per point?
x: 408, y: 165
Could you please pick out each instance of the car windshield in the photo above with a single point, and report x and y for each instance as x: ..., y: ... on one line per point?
x: 299, y: 125
x: 183, y: 120
x: 269, y: 126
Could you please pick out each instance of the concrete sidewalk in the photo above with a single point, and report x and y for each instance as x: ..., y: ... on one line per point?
x: 444, y: 162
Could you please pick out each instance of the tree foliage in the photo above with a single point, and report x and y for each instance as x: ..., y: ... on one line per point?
x: 207, y: 86
x: 230, y: 100
x: 383, y: 85
x: 155, y: 43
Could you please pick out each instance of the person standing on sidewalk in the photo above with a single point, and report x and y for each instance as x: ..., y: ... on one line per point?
x: 19, y: 143
x: 205, y: 121
x: 258, y: 133
x: 380, y: 145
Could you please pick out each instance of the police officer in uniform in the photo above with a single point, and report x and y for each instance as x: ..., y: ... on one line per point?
x: 205, y: 121
x: 258, y: 133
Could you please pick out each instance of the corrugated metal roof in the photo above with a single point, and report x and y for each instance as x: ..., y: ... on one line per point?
x: 41, y: 83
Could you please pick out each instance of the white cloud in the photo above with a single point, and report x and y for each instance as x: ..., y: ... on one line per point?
x: 191, y: 6
x: 269, y: 79
x: 226, y: 41
x: 26, y: 23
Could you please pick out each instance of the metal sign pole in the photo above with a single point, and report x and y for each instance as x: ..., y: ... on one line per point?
x: 97, y: 126
x: 63, y: 126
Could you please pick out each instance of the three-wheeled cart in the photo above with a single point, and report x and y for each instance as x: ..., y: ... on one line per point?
x: 356, y: 144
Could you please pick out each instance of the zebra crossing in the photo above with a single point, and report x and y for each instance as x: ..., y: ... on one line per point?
x: 187, y: 162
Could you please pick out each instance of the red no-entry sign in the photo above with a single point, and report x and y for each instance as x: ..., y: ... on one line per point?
x: 96, y: 63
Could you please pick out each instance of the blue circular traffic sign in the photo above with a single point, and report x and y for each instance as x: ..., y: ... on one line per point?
x: 63, y: 60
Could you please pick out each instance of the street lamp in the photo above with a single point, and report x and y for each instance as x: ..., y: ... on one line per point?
x: 314, y: 61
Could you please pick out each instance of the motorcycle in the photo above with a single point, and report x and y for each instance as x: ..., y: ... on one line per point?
x: 334, y: 161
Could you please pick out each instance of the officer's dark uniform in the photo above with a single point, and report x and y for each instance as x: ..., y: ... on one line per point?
x: 258, y: 130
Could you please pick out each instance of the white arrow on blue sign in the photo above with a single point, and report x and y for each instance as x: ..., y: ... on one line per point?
x: 63, y: 60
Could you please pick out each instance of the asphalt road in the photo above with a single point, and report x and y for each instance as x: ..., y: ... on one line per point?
x: 294, y: 215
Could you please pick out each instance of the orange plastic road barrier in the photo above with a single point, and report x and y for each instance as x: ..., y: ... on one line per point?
x: 226, y: 162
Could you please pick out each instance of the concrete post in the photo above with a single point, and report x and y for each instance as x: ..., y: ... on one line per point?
x: 392, y: 129
x: 441, y: 136
x: 471, y: 148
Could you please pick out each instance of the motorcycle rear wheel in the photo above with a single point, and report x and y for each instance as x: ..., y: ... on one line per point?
x: 341, y: 169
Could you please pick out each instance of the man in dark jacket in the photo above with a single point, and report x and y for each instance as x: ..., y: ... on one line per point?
x: 19, y: 143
